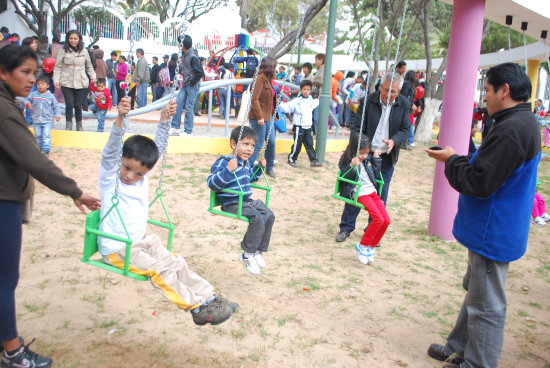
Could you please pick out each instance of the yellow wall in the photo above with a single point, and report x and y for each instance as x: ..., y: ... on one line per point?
x: 533, y: 73
x: 95, y: 140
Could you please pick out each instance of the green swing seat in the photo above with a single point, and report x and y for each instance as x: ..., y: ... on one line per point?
x: 92, y: 232
x: 341, y: 178
x: 215, y: 201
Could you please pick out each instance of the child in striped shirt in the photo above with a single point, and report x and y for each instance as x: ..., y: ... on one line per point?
x: 236, y: 173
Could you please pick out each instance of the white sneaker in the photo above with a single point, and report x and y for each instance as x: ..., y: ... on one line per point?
x: 250, y: 264
x: 174, y: 131
x: 370, y: 254
x: 187, y: 134
x: 539, y: 221
x: 361, y: 254
x: 545, y: 217
x: 275, y: 162
x: 260, y: 260
x: 412, y: 145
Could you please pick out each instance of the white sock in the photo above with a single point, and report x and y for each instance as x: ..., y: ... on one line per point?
x: 248, y: 255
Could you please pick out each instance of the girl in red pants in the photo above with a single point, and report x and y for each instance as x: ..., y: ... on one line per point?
x: 368, y: 164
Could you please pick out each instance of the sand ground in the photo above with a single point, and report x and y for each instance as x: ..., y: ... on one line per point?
x: 314, y: 305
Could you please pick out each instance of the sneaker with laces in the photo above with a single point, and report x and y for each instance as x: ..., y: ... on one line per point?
x: 370, y: 254
x: 174, y: 131
x: 341, y: 236
x: 361, y: 254
x: 260, y: 260
x: 221, y: 300
x: 213, y: 313
x: 545, y: 217
x: 539, y: 221
x: 24, y: 357
x: 250, y: 264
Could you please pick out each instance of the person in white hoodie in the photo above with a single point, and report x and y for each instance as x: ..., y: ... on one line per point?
x: 302, y: 109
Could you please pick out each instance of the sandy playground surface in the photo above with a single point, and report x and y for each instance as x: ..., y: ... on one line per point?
x: 314, y: 305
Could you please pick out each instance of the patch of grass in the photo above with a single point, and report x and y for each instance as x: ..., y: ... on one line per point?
x: 38, y: 308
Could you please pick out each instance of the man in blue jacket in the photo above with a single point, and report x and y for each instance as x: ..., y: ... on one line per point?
x: 497, y: 188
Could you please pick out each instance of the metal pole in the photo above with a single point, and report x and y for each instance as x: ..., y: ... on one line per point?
x: 300, y: 42
x: 324, y: 100
x: 227, y: 109
x: 210, y: 109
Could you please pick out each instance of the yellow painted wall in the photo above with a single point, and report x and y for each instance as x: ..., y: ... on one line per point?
x: 97, y: 141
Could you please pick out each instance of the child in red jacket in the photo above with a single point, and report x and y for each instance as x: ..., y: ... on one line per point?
x: 103, y: 101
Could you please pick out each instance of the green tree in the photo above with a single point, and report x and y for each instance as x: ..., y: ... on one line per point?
x: 497, y: 39
x: 93, y: 19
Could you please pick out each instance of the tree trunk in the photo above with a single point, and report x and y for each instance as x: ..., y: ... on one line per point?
x: 286, y: 43
x: 243, y: 5
x: 423, y: 132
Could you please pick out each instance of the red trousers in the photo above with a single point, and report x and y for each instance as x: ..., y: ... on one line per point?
x: 380, y: 219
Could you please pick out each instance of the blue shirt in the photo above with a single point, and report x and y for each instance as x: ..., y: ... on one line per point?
x: 222, y: 178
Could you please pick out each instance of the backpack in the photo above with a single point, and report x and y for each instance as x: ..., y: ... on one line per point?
x: 251, y: 65
x: 164, y: 77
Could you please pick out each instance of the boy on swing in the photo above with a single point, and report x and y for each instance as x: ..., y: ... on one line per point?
x: 167, y: 271
x: 236, y: 173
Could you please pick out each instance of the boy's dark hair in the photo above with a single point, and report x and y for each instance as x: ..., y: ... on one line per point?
x: 12, y: 56
x: 4, y: 29
x: 513, y: 75
x: 306, y: 82
x: 187, y: 41
x: 95, y: 47
x: 140, y: 50
x: 400, y: 64
x: 320, y: 57
x: 142, y: 149
x: 113, y: 53
x: 298, y: 67
x: 102, y: 81
x: 350, y: 75
x: 27, y: 41
x: 351, y: 149
x: 43, y: 78
x: 248, y: 132
x: 307, y: 65
x: 155, y: 58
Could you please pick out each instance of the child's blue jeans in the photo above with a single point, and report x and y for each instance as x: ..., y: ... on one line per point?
x: 100, y: 116
x: 43, y: 137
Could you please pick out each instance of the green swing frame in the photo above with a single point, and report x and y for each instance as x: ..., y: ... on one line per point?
x: 215, y: 201
x: 341, y: 178
x: 92, y: 232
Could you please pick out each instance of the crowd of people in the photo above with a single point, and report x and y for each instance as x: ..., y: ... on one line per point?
x: 495, y: 179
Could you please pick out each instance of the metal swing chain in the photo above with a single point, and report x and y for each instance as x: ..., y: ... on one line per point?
x: 386, y: 112
x: 525, y: 52
x: 125, y: 118
x: 253, y: 84
x: 262, y: 151
x: 181, y: 31
x: 509, y: 44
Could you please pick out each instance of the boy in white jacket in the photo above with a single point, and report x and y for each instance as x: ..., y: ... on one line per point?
x: 302, y: 108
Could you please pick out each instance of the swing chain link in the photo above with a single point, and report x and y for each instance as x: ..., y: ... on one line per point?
x: 262, y: 152
x: 125, y: 119
x: 509, y: 44
x: 525, y: 51
x: 254, y: 79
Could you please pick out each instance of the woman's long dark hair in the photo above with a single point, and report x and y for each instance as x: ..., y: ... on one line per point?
x: 351, y: 149
x: 68, y: 46
x: 267, y: 67
x: 411, y: 77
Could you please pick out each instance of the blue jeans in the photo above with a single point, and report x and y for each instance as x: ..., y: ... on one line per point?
x: 100, y: 116
x: 411, y: 135
x: 160, y: 91
x: 10, y: 254
x: 141, y: 95
x: 28, y: 113
x: 479, y: 330
x: 112, y: 89
x: 222, y: 94
x: 186, y: 101
x: 261, y: 131
x: 315, y: 118
x: 43, y: 137
x: 349, y: 215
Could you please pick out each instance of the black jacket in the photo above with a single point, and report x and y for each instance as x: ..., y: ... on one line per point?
x: 155, y: 73
x: 371, y: 164
x: 408, y: 91
x: 400, y: 123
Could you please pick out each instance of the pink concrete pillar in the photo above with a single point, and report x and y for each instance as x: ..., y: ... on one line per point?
x: 458, y: 101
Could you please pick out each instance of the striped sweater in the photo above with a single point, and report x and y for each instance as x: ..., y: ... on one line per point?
x: 221, y: 178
